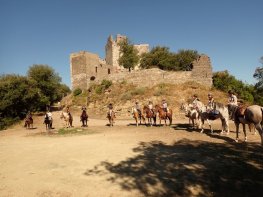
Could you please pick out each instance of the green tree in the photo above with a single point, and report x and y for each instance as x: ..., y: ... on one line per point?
x: 129, y: 55
x: 18, y: 94
x: 48, y: 82
x: 162, y: 58
x: 224, y: 81
x: 258, y: 75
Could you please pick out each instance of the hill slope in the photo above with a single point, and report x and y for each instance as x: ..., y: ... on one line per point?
x: 123, y: 96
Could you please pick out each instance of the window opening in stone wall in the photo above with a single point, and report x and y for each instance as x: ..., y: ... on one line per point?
x: 108, y: 71
x: 92, y: 78
x: 96, y: 69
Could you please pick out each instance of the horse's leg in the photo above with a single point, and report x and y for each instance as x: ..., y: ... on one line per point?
x: 252, y: 127
x: 171, y: 120
x: 244, y: 131
x: 202, y: 125
x: 237, y: 130
x: 210, y: 126
x: 227, y: 126
x: 260, y: 130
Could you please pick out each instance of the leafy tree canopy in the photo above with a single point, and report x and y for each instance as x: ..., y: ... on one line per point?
x: 129, y: 55
x: 225, y: 82
x: 258, y: 75
x: 162, y: 58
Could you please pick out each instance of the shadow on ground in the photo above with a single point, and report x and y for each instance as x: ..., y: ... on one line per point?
x: 189, y: 168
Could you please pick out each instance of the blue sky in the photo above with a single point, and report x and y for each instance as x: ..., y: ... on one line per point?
x: 230, y: 32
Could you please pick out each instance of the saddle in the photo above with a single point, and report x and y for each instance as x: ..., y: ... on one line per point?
x: 240, y: 112
x: 212, y: 115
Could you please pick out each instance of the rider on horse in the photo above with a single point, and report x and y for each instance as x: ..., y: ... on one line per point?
x: 110, y: 107
x: 196, y: 103
x: 150, y: 105
x: 69, y: 114
x: 165, y: 106
x: 138, y: 108
x: 210, y: 108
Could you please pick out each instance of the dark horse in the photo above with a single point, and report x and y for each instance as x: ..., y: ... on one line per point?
x: 111, y: 117
x: 48, y: 122
x: 164, y: 115
x: 84, y: 118
x: 150, y: 115
x: 28, y: 122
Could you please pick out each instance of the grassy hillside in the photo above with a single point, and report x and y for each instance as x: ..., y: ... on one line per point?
x: 124, y: 95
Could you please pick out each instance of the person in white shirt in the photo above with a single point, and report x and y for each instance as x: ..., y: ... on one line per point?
x: 232, y: 99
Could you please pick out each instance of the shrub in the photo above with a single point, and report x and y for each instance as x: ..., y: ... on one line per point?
x: 6, y: 122
x: 138, y: 91
x: 77, y: 92
x: 126, y: 96
x: 106, y: 83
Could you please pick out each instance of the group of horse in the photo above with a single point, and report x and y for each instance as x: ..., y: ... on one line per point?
x: 152, y: 114
x: 250, y: 115
x: 68, y: 119
x: 48, y: 120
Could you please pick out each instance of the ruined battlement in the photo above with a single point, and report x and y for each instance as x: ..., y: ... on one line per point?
x: 87, y: 68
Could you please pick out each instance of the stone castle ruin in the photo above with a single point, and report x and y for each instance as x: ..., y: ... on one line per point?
x: 87, y: 68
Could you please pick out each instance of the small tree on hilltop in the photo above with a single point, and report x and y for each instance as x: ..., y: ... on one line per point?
x: 129, y: 55
x: 258, y: 75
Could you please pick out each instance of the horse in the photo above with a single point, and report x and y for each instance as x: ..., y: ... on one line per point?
x: 111, y: 117
x: 164, y: 115
x: 251, y: 115
x: 191, y: 113
x: 67, y: 118
x: 219, y: 111
x: 137, y: 116
x: 84, y: 118
x: 150, y: 115
x: 28, y: 122
x: 48, y: 121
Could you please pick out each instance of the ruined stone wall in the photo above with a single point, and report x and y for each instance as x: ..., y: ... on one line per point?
x: 201, y: 73
x: 87, y: 67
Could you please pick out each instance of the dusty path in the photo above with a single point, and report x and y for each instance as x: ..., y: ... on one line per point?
x: 124, y: 161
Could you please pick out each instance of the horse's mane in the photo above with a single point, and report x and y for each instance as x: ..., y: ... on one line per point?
x: 219, y: 105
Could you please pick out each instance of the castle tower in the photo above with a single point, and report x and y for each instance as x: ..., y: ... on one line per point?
x: 202, y: 70
x: 112, y: 50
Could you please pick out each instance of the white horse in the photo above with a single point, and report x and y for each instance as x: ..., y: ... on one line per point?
x: 219, y: 111
x: 67, y: 118
x: 191, y: 113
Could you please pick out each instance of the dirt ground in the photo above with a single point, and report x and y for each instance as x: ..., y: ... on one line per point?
x: 128, y: 161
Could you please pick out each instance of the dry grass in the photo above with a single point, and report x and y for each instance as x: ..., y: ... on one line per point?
x: 123, y: 95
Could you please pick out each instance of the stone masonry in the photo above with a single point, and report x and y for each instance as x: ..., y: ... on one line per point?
x: 87, y: 68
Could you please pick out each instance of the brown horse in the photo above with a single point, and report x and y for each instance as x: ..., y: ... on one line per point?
x: 164, y: 115
x: 111, y: 117
x: 84, y: 118
x: 150, y: 115
x: 28, y: 122
x: 252, y: 115
x: 138, y: 116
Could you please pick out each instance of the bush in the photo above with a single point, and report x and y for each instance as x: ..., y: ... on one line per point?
x: 77, y: 92
x: 6, y: 122
x: 106, y: 83
x: 126, y: 96
x: 138, y: 91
